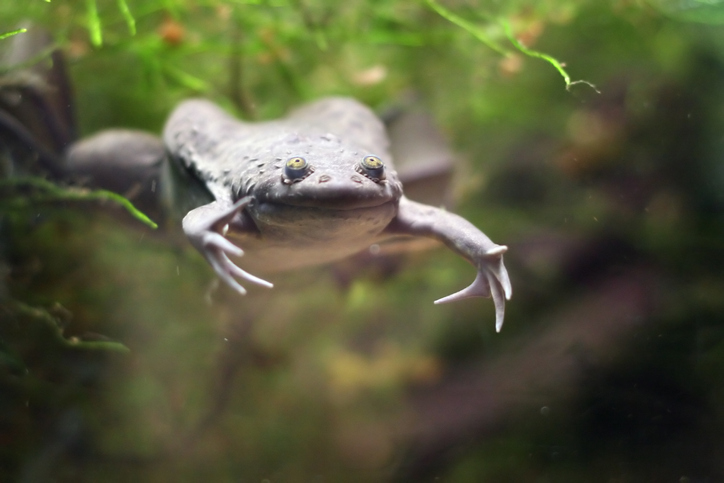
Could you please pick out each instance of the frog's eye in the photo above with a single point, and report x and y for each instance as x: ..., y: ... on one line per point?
x: 296, y: 169
x: 372, y: 167
x: 296, y: 164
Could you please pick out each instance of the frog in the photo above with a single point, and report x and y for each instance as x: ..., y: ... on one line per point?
x: 315, y: 186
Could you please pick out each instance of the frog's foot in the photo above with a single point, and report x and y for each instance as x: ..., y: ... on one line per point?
x: 492, y: 279
x: 204, y: 227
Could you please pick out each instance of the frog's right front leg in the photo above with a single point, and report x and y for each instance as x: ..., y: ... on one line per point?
x: 205, y: 227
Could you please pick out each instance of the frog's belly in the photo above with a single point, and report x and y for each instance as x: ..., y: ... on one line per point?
x: 294, y: 237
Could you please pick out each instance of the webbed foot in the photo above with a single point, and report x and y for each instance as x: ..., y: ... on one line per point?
x: 204, y: 227
x: 492, y: 279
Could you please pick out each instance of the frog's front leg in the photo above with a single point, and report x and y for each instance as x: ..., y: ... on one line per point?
x: 205, y: 227
x: 466, y: 240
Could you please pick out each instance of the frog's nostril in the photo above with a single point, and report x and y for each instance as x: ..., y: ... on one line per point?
x: 324, y: 178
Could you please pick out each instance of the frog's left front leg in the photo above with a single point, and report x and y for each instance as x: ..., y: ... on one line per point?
x: 205, y: 226
x: 463, y: 238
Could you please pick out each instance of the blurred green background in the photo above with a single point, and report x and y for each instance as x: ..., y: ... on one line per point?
x: 122, y: 360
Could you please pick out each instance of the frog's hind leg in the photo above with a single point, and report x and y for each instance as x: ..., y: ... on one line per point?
x: 127, y: 162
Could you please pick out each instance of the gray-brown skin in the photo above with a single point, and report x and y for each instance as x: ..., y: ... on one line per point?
x: 333, y: 206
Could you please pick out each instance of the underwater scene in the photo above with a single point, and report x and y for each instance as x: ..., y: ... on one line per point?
x: 365, y: 241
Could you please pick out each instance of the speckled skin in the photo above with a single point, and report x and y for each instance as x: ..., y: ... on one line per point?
x: 333, y: 212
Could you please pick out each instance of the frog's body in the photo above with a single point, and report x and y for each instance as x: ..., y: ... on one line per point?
x: 316, y: 186
x: 334, y: 212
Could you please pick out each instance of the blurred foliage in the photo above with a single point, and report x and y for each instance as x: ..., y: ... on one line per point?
x: 705, y: 11
x: 609, y: 365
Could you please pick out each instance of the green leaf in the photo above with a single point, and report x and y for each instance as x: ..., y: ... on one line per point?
x: 548, y: 58
x: 94, y: 23
x: 10, y: 34
x: 474, y: 30
x: 128, y: 17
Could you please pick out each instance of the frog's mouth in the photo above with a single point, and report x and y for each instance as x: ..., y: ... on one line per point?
x: 312, y: 207
x: 325, y: 222
x: 328, y: 194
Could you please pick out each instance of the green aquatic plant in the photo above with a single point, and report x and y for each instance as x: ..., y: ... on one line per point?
x: 42, y: 323
x: 486, y: 38
x: 22, y: 193
x: 14, y: 32
x: 94, y: 21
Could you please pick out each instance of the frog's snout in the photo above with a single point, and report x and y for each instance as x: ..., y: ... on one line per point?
x: 325, y: 178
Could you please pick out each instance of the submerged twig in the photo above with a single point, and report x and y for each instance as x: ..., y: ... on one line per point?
x: 53, y: 192
x: 14, y: 307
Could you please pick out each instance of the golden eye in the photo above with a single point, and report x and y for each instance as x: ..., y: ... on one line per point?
x: 372, y: 167
x: 372, y: 162
x: 296, y: 163
x: 296, y: 170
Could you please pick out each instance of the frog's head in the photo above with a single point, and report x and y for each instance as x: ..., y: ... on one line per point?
x: 320, y: 171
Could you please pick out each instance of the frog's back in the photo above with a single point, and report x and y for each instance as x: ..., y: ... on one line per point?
x: 204, y: 125
x: 344, y: 117
x: 215, y: 148
x: 227, y: 155
x: 194, y: 130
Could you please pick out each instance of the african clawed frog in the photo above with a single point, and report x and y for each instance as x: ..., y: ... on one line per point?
x: 313, y: 187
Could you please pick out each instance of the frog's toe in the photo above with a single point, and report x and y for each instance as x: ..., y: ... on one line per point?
x: 497, y: 268
x: 214, y: 242
x: 498, y: 300
x: 238, y: 272
x: 223, y: 268
x: 491, y: 280
x: 217, y: 249
x: 227, y: 270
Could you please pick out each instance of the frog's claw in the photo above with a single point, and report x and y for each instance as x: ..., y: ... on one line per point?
x: 492, y: 279
x: 204, y: 226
